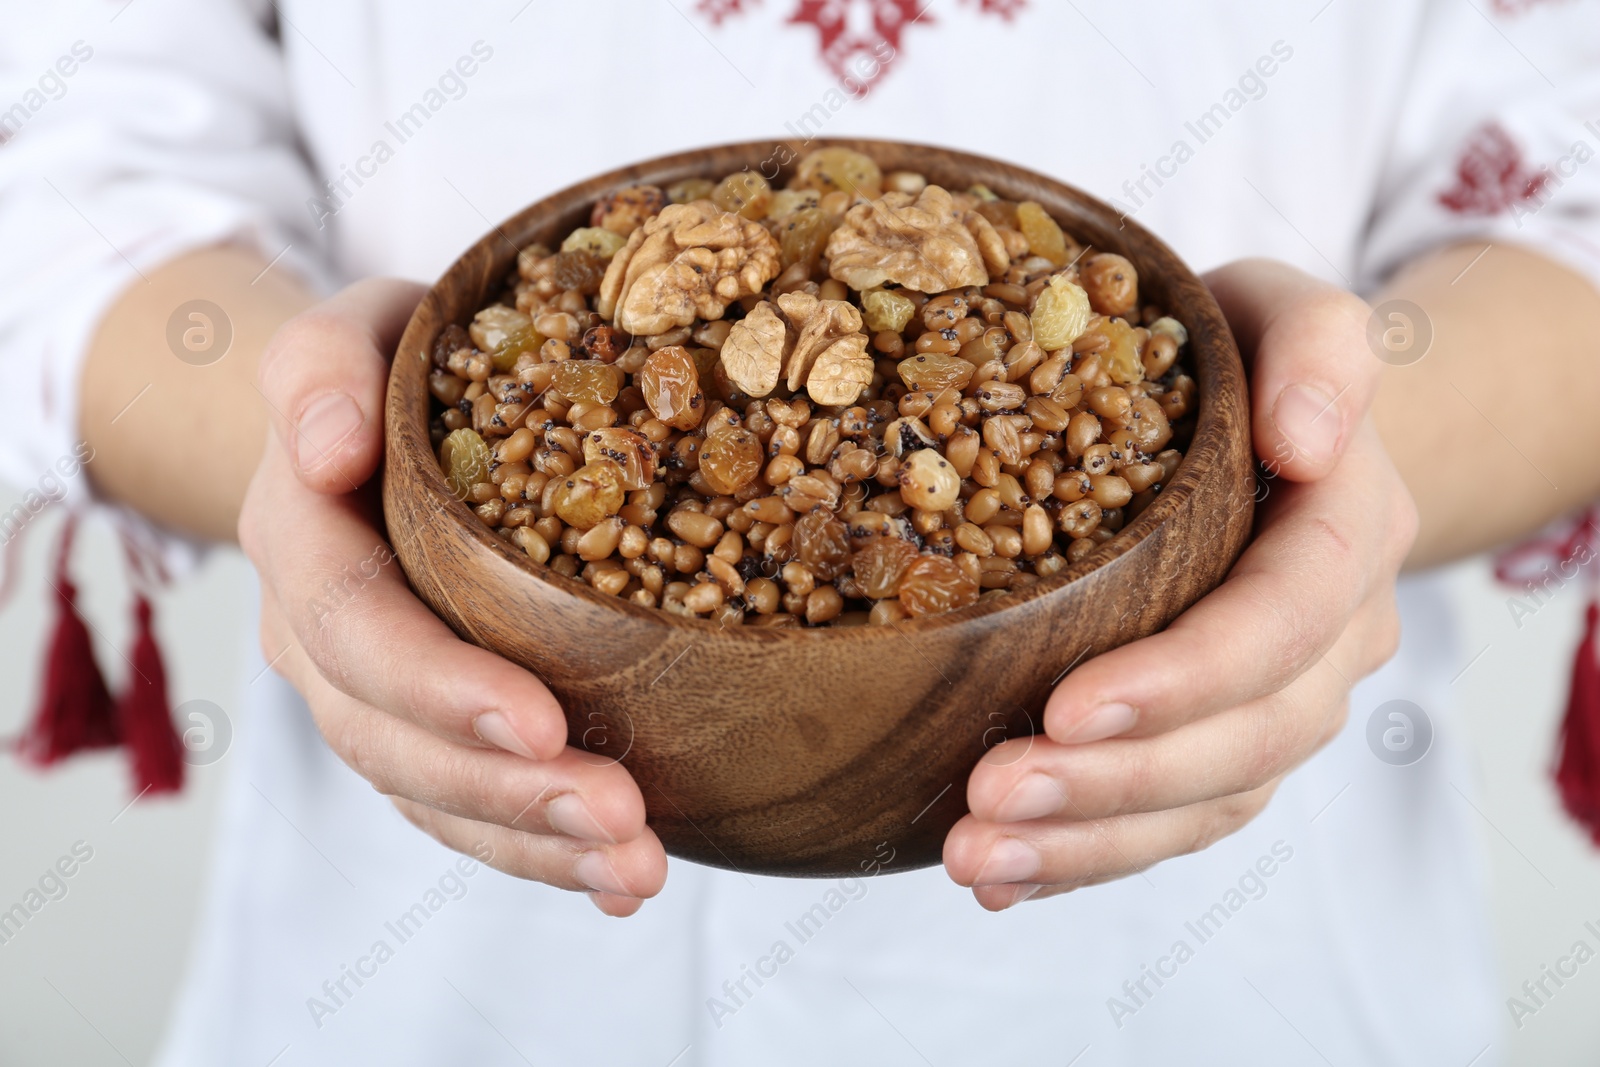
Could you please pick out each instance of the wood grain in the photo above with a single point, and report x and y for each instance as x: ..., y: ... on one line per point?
x: 815, y: 752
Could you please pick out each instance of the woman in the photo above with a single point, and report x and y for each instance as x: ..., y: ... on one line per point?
x: 260, y: 158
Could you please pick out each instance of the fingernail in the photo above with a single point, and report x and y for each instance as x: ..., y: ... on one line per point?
x: 1009, y: 860
x: 1023, y: 893
x: 594, y: 870
x: 1032, y: 798
x: 568, y: 814
x: 1310, y: 419
x: 324, y: 423
x: 1108, y: 720
x: 495, y: 729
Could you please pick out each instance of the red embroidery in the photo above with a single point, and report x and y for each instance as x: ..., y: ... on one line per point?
x: 1006, y: 9
x: 1491, y: 176
x: 859, y: 57
x: 717, y: 10
x: 858, y: 40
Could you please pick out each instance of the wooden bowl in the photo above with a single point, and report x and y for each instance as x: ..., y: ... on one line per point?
x: 816, y: 752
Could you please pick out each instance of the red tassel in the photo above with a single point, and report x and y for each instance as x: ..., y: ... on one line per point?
x: 1563, y: 552
x: 144, y: 715
x: 75, y: 710
x: 1578, y: 765
x: 74, y: 707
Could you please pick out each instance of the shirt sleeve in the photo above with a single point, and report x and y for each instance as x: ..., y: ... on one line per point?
x: 139, y: 132
x: 1497, y: 138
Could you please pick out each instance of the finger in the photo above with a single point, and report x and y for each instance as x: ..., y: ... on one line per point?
x: 1321, y: 550
x: 1312, y: 374
x: 276, y: 639
x: 347, y: 604
x: 1001, y: 857
x: 324, y: 374
x: 572, y: 794
x: 1001, y: 897
x: 616, y: 876
x: 1235, y: 751
x: 618, y: 907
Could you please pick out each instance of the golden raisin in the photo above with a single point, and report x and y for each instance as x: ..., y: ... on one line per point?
x: 804, y: 235
x: 933, y: 585
x: 465, y: 458
x: 830, y: 169
x: 517, y: 343
x: 590, y: 380
x: 731, y: 459
x: 495, y: 324
x: 670, y: 382
x: 578, y: 270
x: 786, y: 202
x: 886, y: 310
x: 880, y: 564
x: 689, y: 190
x: 628, y: 449
x: 1044, y: 236
x: 1060, y: 314
x: 590, y: 494
x: 595, y: 240
x: 1120, y: 354
x: 746, y: 193
x: 823, y: 543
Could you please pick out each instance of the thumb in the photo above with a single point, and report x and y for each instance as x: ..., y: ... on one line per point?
x: 1312, y: 376
x: 324, y: 375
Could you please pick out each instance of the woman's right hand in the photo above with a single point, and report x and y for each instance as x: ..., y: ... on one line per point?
x: 468, y: 746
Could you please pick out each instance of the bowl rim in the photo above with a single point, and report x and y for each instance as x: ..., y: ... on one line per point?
x: 1223, y: 364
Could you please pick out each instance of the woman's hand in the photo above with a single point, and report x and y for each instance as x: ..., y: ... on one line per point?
x: 468, y: 746
x: 1166, y: 745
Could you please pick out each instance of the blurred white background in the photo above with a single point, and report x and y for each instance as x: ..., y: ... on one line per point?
x: 90, y: 979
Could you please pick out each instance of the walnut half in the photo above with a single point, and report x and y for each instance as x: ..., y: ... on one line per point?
x: 690, y: 261
x: 830, y: 328
x: 814, y: 343
x: 921, y: 243
x: 842, y: 371
x: 754, y: 352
